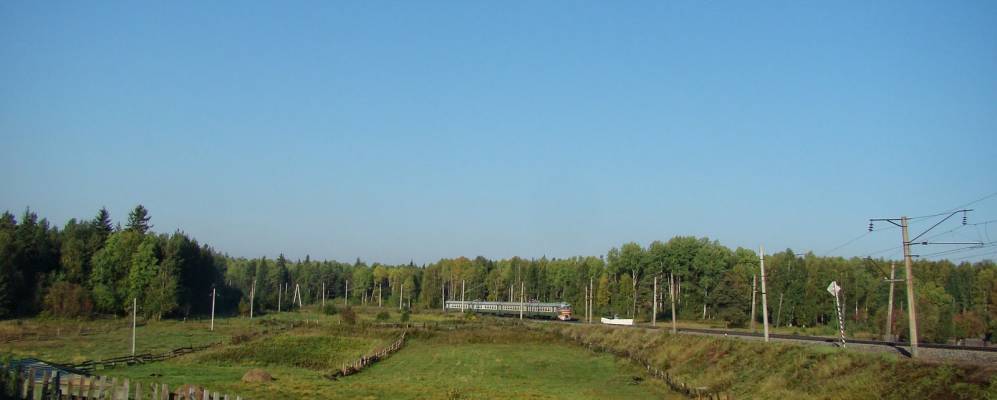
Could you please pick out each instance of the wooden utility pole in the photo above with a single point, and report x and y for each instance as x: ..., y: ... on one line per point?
x: 347, y: 301
x: 379, y: 295
x: 911, y: 303
x: 134, y: 317
x: 212, y: 309
x: 889, y: 307
x: 252, y: 297
x: 754, y: 289
x: 765, y: 306
x: 672, y: 295
x: 654, y: 306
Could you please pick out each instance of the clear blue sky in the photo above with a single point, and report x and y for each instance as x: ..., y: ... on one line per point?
x: 407, y: 130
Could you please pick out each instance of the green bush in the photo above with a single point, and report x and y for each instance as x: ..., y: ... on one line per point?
x: 383, y: 316
x: 329, y: 309
x: 405, y: 316
x: 348, y: 316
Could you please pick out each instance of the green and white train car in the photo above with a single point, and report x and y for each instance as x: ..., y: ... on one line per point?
x: 561, y: 311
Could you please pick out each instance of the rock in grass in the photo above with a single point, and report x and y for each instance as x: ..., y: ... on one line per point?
x: 257, y: 375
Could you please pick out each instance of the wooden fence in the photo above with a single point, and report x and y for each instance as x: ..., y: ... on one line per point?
x: 45, y: 384
x: 58, y: 333
x: 365, y: 360
x: 90, y: 366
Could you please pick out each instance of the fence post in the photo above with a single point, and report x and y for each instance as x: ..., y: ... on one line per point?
x: 45, y: 378
x: 29, y: 384
x: 166, y: 392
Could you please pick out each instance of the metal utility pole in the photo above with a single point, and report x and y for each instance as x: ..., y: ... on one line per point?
x: 212, y: 310
x: 754, y: 289
x: 904, y: 222
x: 889, y: 309
x: 765, y: 306
x: 671, y: 294
x: 134, y: 314
x: 654, y: 308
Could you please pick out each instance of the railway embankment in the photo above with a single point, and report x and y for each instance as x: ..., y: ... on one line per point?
x: 749, y: 369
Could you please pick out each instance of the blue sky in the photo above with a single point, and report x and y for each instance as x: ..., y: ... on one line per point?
x: 397, y: 131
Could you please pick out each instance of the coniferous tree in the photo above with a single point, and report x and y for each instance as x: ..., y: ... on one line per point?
x: 138, y: 220
x: 102, y: 222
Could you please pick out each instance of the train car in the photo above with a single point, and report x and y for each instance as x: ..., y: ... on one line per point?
x: 561, y: 311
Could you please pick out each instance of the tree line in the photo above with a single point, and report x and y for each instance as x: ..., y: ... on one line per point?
x: 92, y: 266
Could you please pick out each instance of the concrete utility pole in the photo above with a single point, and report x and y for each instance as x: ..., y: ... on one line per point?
x: 297, y: 292
x: 279, y: 288
x: 347, y: 301
x: 522, y: 298
x: 323, y: 294
x: 462, y: 305
x: 889, y: 307
x: 401, y: 294
x: 252, y: 297
x: 911, y: 304
x: 591, y: 298
x: 765, y: 306
x: 671, y: 295
x: 654, y: 307
x: 909, y: 278
x: 134, y: 316
x: 212, y: 309
x: 754, y: 289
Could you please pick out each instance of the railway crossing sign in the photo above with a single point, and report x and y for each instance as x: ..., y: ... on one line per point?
x: 833, y: 288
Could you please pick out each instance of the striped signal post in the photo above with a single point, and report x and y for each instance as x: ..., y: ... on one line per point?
x: 834, y: 289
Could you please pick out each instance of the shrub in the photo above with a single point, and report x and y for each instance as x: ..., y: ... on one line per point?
x: 70, y: 300
x: 405, y: 316
x: 329, y: 309
x: 348, y: 316
x: 383, y: 316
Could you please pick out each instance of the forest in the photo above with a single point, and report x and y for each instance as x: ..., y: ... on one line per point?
x: 93, y: 266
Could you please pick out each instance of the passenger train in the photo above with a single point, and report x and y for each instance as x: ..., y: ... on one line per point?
x: 561, y: 311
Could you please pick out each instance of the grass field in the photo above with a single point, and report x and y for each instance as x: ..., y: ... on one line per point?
x: 479, y: 363
x: 486, y: 358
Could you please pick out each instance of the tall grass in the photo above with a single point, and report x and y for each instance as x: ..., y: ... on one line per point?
x: 780, y: 371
